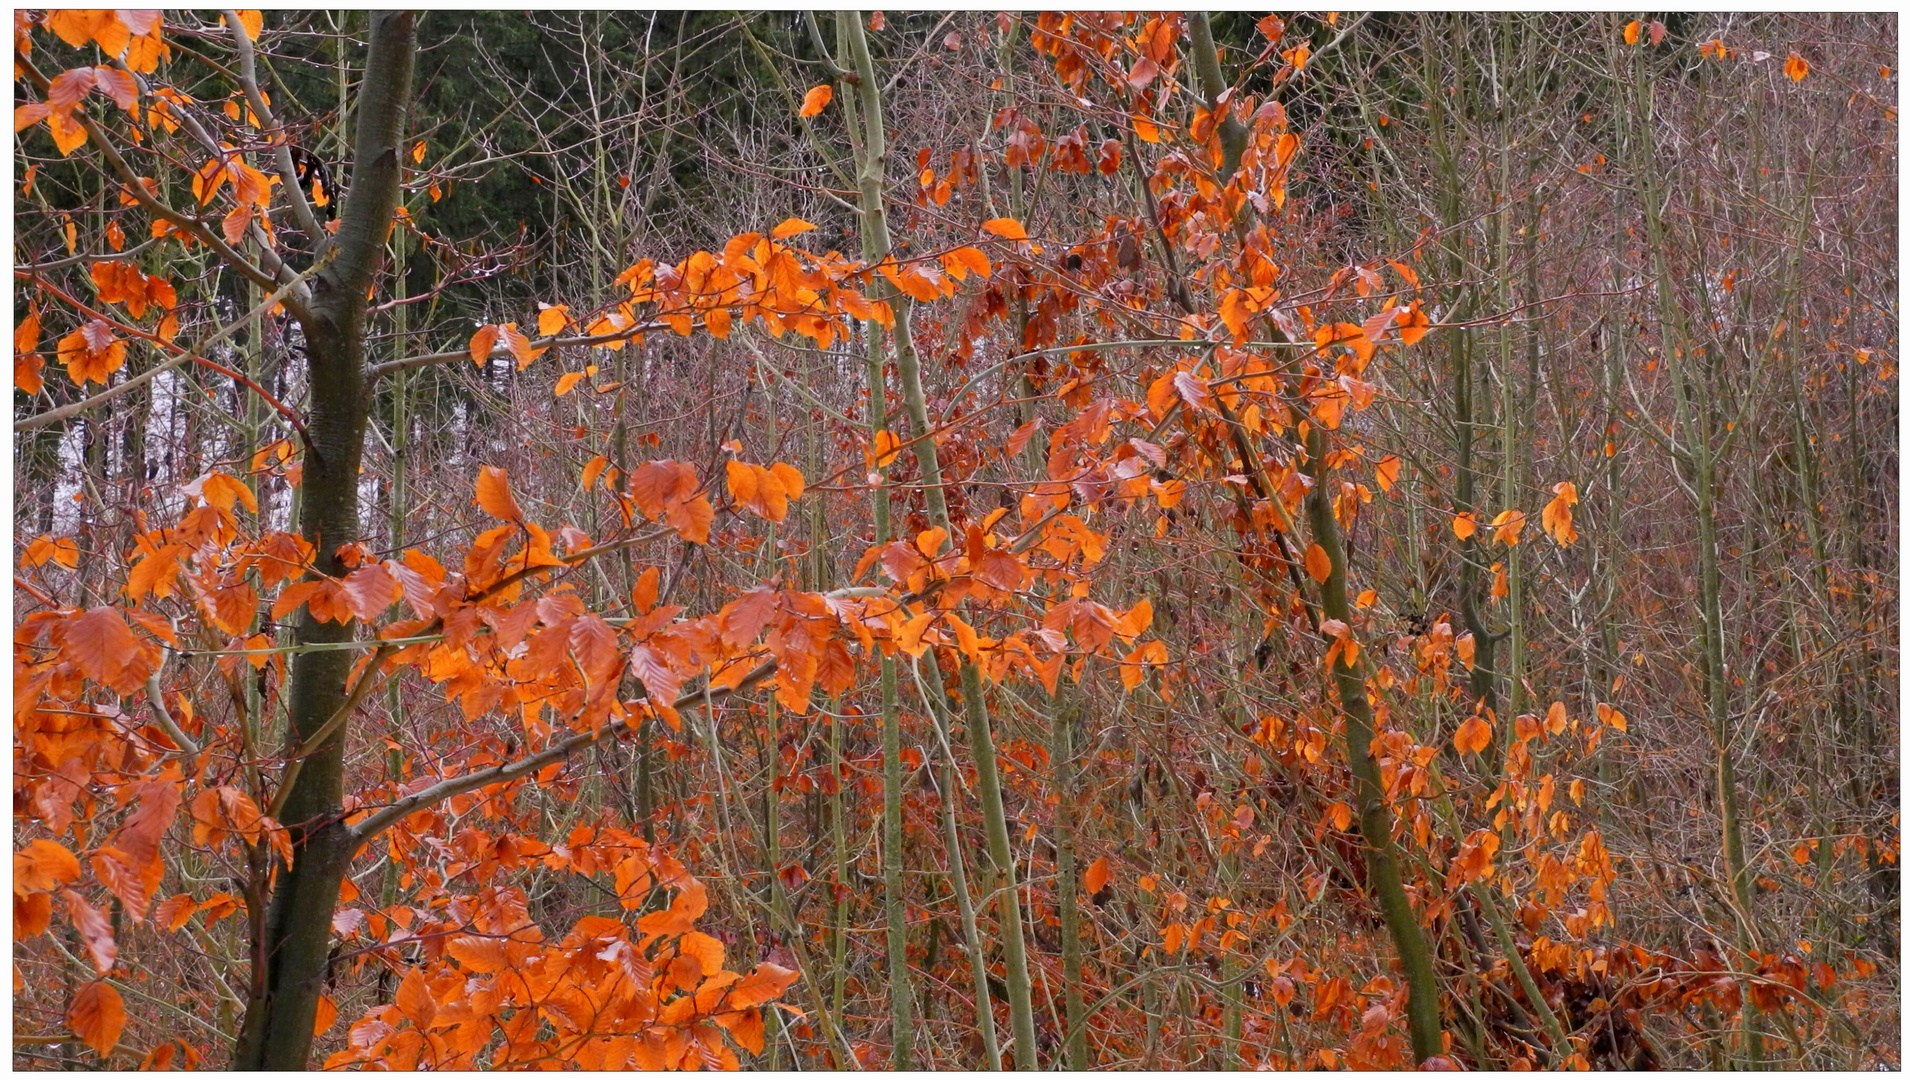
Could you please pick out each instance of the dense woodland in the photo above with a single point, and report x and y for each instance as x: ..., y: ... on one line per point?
x: 862, y: 541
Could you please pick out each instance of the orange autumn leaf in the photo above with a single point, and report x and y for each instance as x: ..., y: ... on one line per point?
x: 1413, y: 324
x: 692, y: 899
x: 1611, y: 717
x: 43, y: 866
x: 816, y: 100
x: 1474, y: 861
x: 704, y: 949
x: 369, y: 591
x: 520, y: 345
x: 67, y: 90
x: 1318, y: 565
x: 61, y: 551
x: 92, y: 353
x: 95, y: 931
x: 1386, y: 473
x: 741, y: 481
x: 1464, y: 525
x: 692, y: 519
x: 1557, y: 515
x: 1096, y: 877
x: 253, y: 22
x: 80, y: 27
x: 963, y: 261
x: 414, y: 999
x: 482, y: 344
x: 791, y: 477
x: 1506, y: 526
x: 764, y: 492
x: 32, y: 914
x: 1006, y: 228
x: 1173, y: 937
x: 1555, y: 719
x: 790, y: 227
x: 1194, y: 390
x: 929, y: 541
x: 644, y: 593
x: 999, y: 570
x: 27, y: 361
x: 225, y: 492
x: 103, y: 648
x: 482, y: 955
x: 494, y: 495
x: 173, y: 912
x: 98, y: 1016
x: 909, y: 636
x: 1287, y: 145
x: 765, y: 983
x: 1473, y: 736
x: 1136, y: 620
x: 593, y: 469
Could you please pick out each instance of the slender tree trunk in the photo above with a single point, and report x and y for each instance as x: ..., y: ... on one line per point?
x: 1695, y: 428
x: 894, y: 901
x: 1233, y: 133
x: 1067, y: 899
x: 958, y: 883
x: 1482, y: 682
x: 277, y: 1033
x: 871, y: 165
x: 1375, y: 817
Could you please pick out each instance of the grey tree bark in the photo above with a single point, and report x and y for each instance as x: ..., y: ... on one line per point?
x: 290, y: 956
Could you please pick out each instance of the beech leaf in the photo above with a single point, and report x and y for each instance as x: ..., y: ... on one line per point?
x: 494, y: 495
x: 98, y: 1016
x: 1006, y: 228
x: 816, y: 100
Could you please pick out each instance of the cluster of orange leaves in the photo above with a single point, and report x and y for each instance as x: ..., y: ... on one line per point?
x: 72, y: 744
x: 541, y: 656
x: 132, y: 36
x: 648, y: 993
x: 757, y: 278
x: 84, y: 762
x: 1556, y: 518
x: 93, y: 352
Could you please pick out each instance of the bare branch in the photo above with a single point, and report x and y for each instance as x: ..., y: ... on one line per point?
x: 282, y: 150
x: 503, y: 774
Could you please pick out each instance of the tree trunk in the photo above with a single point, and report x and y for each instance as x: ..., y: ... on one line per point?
x: 291, y: 956
x: 871, y: 162
x: 1375, y: 816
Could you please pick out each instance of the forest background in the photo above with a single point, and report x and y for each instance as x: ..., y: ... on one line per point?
x: 868, y: 540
